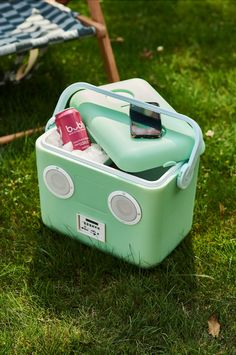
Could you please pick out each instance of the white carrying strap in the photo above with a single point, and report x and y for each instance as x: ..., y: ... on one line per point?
x: 186, y: 171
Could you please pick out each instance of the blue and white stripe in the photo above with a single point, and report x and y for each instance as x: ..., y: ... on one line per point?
x: 29, y: 24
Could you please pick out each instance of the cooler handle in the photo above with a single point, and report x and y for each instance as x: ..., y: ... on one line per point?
x: 187, y: 169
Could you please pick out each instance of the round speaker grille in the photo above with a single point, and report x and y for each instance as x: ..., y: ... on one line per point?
x: 58, y: 181
x: 124, y: 207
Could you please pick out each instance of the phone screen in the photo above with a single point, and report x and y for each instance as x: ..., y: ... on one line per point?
x: 145, y: 123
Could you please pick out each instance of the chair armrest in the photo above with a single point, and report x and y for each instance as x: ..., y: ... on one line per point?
x: 100, y: 28
x: 63, y: 2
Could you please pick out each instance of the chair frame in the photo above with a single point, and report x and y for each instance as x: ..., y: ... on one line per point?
x: 97, y: 20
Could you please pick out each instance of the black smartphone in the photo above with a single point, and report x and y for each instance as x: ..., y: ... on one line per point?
x: 145, y: 123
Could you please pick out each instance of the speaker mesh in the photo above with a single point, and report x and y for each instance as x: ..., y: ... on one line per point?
x: 123, y: 208
x: 58, y: 182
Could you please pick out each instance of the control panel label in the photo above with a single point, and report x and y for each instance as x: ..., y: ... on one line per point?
x: 91, y: 227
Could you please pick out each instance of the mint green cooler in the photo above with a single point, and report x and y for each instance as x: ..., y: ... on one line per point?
x: 138, y: 205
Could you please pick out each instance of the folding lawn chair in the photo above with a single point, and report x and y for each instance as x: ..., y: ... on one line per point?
x: 28, y: 27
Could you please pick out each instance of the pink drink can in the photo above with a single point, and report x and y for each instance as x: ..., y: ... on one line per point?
x: 71, y: 128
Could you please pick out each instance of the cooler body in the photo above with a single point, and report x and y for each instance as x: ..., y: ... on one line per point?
x: 94, y: 210
x: 138, y: 204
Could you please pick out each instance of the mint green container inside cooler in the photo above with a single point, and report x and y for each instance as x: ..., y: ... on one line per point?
x: 139, y: 212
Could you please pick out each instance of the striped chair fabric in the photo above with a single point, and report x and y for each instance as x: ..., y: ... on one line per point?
x: 29, y: 24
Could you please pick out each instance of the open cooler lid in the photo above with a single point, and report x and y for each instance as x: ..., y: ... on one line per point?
x: 107, y: 121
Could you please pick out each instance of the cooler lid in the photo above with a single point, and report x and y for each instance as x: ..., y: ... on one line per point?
x: 107, y: 121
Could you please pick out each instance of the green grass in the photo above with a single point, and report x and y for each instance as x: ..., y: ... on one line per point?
x: 60, y: 297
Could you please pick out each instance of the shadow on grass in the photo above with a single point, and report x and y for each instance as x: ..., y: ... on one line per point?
x: 110, y: 298
x: 31, y: 103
